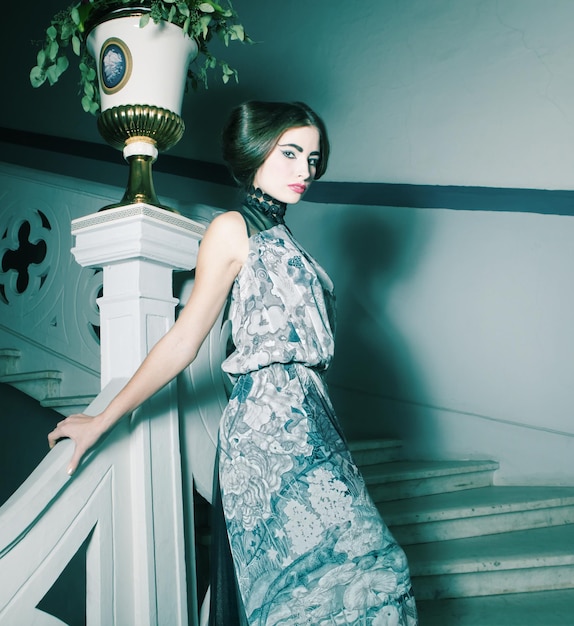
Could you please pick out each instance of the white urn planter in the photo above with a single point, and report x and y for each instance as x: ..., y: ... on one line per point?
x: 142, y: 73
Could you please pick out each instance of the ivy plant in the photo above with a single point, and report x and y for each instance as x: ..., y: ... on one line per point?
x: 69, y: 28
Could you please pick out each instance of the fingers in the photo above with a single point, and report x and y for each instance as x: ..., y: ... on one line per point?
x: 55, y: 435
x: 75, y: 461
x: 61, y: 427
x: 70, y: 428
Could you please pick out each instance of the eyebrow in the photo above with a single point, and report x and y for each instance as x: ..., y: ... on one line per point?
x: 298, y: 148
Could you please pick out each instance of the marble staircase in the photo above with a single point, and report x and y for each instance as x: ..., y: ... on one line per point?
x: 42, y: 385
x: 479, y: 554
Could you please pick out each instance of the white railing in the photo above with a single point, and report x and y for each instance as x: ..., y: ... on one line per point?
x: 46, y: 521
x: 127, y: 496
x: 48, y: 309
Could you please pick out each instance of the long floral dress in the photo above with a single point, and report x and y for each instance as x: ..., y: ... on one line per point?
x: 308, y: 544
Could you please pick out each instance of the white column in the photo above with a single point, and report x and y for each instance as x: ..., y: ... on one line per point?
x: 138, y: 247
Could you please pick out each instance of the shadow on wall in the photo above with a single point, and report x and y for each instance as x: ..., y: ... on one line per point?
x: 374, y: 377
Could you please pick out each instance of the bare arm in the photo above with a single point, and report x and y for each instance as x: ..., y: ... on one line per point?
x: 221, y: 255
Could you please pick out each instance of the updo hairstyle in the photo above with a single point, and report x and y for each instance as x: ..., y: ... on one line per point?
x: 253, y: 129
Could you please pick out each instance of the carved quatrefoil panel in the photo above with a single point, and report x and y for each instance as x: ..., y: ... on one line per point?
x: 24, y: 256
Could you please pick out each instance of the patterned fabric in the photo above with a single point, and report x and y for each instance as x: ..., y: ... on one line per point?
x: 308, y: 544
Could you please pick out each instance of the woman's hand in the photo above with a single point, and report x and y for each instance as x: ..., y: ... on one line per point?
x: 85, y: 432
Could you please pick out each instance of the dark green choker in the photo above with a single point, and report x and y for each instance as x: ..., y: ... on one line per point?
x: 258, y: 200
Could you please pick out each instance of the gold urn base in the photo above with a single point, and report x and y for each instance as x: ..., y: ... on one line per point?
x: 141, y: 132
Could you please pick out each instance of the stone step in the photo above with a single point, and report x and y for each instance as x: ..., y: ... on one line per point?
x: 373, y: 451
x: 9, y: 361
x: 68, y: 405
x: 541, y: 559
x: 475, y: 512
x: 410, y: 479
x: 544, y: 608
x: 38, y: 385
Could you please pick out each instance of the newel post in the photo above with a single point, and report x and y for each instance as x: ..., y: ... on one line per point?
x: 139, y: 247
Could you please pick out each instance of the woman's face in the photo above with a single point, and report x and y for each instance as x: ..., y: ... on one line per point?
x: 291, y: 165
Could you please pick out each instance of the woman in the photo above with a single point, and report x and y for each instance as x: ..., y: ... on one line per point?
x: 302, y: 540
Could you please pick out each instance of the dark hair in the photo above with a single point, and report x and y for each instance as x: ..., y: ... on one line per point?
x: 253, y: 129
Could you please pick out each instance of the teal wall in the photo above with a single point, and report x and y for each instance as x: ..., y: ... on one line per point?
x: 455, y: 331
x: 455, y: 327
x: 465, y: 92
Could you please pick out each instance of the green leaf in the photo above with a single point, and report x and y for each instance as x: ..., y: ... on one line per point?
x: 171, y: 14
x: 41, y: 58
x: 204, y: 22
x: 228, y: 72
x: 62, y: 64
x: 37, y: 76
x: 237, y: 32
x: 68, y: 31
x: 84, y: 11
x: 202, y: 75
x: 144, y: 19
x: 76, y: 45
x: 53, y: 50
x: 52, y: 74
x: 87, y: 70
x: 86, y: 104
x: 51, y: 33
x: 75, y: 15
x: 90, y: 105
x: 219, y: 9
x: 183, y: 9
x: 206, y: 7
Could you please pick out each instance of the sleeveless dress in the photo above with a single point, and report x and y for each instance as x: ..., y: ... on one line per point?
x: 307, y: 543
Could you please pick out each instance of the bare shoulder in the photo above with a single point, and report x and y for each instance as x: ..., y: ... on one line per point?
x: 229, y: 225
x: 228, y: 234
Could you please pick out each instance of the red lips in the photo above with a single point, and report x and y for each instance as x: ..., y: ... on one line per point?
x: 297, y: 188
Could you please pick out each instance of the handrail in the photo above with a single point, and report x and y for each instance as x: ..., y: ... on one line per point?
x: 23, y: 509
x: 38, y: 523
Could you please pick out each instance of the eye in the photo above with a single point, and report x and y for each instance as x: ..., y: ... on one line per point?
x: 289, y: 154
x: 314, y: 161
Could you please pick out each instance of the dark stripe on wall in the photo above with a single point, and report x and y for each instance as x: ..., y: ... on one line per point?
x: 178, y: 166
x: 544, y: 201
x: 445, y: 197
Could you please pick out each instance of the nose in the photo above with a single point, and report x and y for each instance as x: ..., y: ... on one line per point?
x: 304, y: 169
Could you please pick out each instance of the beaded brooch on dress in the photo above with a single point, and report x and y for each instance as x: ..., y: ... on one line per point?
x: 261, y: 201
